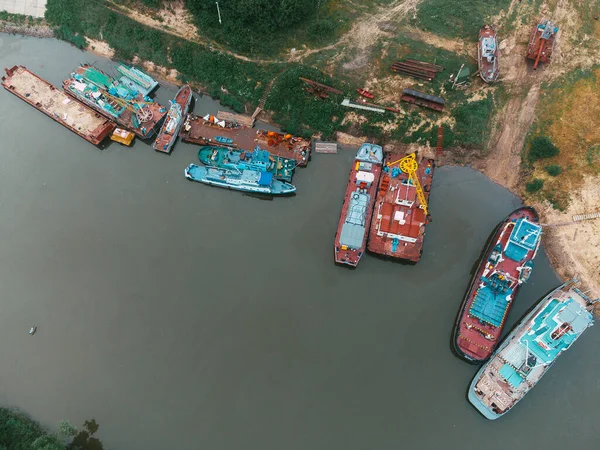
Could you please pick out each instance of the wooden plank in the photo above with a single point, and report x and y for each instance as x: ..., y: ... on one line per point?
x: 326, y: 147
x: 240, y: 119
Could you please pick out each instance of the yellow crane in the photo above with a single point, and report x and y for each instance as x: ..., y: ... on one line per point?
x: 409, y: 166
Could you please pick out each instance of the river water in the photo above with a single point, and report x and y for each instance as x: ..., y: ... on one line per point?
x: 181, y: 316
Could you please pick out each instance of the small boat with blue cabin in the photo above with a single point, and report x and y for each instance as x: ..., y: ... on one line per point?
x: 174, y: 121
x: 224, y: 140
x: 530, y: 349
x: 239, y: 180
x: 259, y: 160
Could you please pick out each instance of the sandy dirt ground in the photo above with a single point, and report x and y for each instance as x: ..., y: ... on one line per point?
x: 575, y: 249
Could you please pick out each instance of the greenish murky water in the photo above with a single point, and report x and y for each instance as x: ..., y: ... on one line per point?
x: 181, y: 316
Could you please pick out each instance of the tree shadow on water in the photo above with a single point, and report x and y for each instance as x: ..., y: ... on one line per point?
x: 84, y: 439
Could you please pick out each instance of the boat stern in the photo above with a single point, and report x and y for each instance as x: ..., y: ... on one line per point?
x: 474, y: 399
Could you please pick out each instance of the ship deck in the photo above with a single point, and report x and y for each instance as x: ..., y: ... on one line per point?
x: 357, y: 210
x: 154, y: 116
x: 203, y: 132
x: 56, y: 104
x: 166, y: 139
x: 397, y: 229
x: 484, y: 309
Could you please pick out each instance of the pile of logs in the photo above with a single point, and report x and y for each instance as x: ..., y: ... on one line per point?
x: 417, y: 69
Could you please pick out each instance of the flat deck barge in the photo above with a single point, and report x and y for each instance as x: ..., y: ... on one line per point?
x: 57, y: 105
x: 209, y: 130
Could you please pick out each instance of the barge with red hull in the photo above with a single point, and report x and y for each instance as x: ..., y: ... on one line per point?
x: 506, y: 264
x: 129, y: 109
x: 170, y: 129
x: 357, y: 210
x: 53, y: 102
x: 208, y: 130
x: 399, y: 218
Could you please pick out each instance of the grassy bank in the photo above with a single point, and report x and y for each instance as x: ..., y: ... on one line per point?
x: 567, y: 115
x: 461, y: 19
x: 241, y: 84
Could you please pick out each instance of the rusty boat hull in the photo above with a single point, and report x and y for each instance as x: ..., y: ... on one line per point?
x: 488, y: 54
x: 495, y: 285
x: 398, y: 226
x: 351, y: 235
x: 209, y: 129
x: 169, y: 131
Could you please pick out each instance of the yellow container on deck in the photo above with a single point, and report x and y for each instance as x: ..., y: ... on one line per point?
x: 122, y: 136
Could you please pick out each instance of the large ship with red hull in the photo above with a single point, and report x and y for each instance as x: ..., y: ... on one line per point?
x: 399, y: 218
x: 170, y: 129
x: 507, y: 263
x: 351, y: 235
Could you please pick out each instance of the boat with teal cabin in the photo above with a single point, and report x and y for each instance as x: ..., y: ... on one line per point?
x: 258, y: 160
x: 529, y: 351
x: 239, y: 180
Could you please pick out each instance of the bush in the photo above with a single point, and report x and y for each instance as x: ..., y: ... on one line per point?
x: 554, y: 170
x: 542, y: 147
x: 534, y: 185
x: 66, y: 34
x: 472, y: 120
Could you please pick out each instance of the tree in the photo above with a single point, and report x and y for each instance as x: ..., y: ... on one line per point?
x: 542, y: 147
x: 554, y: 170
x: 534, y: 185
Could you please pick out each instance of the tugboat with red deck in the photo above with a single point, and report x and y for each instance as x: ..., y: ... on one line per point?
x: 351, y: 235
x: 506, y: 264
x: 401, y: 209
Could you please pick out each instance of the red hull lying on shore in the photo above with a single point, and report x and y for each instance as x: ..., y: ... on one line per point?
x: 505, y: 265
x: 351, y: 235
x: 398, y: 225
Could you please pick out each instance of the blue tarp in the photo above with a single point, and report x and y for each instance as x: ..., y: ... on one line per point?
x: 266, y: 178
x: 524, y: 237
x: 490, y: 301
x: 510, y: 374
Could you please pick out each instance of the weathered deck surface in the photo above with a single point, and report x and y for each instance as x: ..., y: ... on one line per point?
x: 58, y: 105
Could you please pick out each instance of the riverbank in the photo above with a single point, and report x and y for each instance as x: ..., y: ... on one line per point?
x: 502, y: 163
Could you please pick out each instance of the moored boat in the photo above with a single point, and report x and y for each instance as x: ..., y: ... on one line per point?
x: 128, y: 108
x: 259, y: 160
x: 530, y: 349
x: 170, y: 129
x: 487, y: 54
x: 357, y: 209
x: 506, y: 264
x: 53, y: 102
x: 541, y: 42
x: 122, y: 136
x: 365, y: 93
x: 239, y: 180
x: 401, y: 210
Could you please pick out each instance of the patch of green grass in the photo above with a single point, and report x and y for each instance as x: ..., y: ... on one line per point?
x: 554, y: 170
x: 303, y: 113
x: 473, y: 123
x: 541, y: 147
x: 534, y: 185
x: 593, y: 155
x: 462, y: 19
